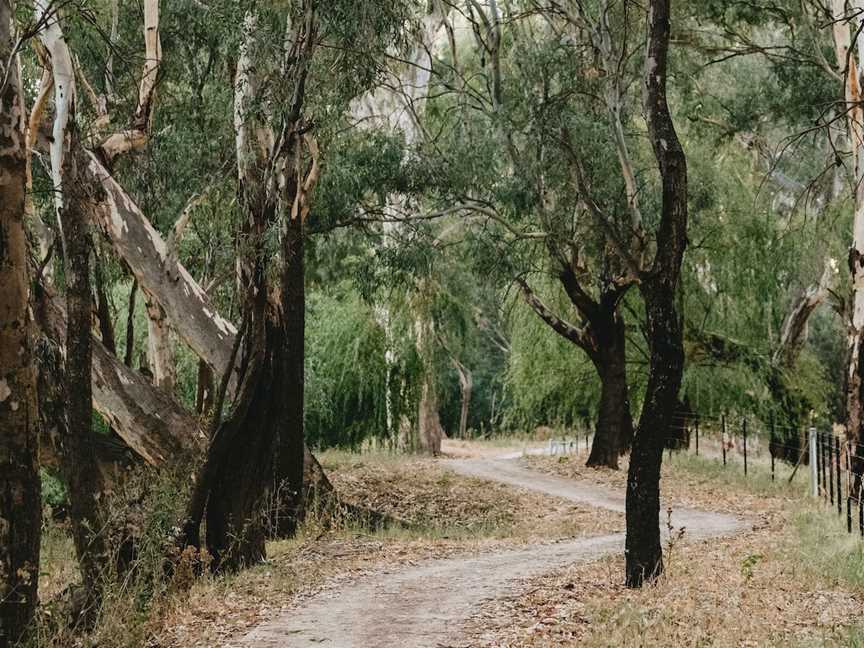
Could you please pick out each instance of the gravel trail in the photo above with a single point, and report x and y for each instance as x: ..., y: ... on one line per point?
x: 424, y: 606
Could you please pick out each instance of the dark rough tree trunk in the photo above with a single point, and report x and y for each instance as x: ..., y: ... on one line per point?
x: 602, y: 337
x: 643, y: 552
x: 20, y: 504
x: 78, y: 459
x: 262, y: 438
x: 246, y: 444
x: 289, y: 472
x: 614, y: 431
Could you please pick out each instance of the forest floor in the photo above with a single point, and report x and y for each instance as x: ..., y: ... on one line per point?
x: 526, y: 551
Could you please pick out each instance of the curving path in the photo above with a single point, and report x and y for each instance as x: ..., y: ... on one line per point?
x: 425, y: 605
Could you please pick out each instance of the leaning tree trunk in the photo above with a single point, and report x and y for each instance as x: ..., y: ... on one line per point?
x: 644, y: 557
x: 614, y: 430
x: 160, y: 347
x: 20, y: 504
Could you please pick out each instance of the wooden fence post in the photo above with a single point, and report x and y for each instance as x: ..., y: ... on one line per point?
x: 697, y: 435
x: 839, y: 466
x: 723, y: 436
x: 744, y: 433
x: 829, y: 461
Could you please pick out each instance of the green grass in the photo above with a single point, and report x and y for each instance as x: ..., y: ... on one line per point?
x: 824, y: 547
x: 731, y: 476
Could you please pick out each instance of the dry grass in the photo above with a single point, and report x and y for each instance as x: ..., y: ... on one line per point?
x: 795, y: 579
x: 785, y: 583
x: 440, y: 503
x: 449, y: 514
x: 689, y: 481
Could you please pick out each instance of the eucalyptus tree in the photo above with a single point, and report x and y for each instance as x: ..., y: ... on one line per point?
x: 850, y: 62
x: 72, y: 202
x: 788, y: 113
x: 510, y: 105
x: 20, y: 503
x: 573, y: 194
x: 107, y: 160
x: 276, y: 104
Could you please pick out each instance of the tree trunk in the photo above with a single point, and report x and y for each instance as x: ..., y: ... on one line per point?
x: 614, y: 430
x: 466, y: 385
x: 643, y: 553
x: 78, y: 460
x: 289, y: 473
x: 20, y: 503
x: 103, y: 309
x: 187, y: 307
x: 204, y: 389
x: 130, y: 325
x: 855, y: 367
x: 160, y: 347
x: 643, y: 550
x: 244, y: 448
x: 428, y: 422
x: 152, y: 423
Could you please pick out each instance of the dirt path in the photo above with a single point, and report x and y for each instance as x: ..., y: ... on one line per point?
x: 424, y: 606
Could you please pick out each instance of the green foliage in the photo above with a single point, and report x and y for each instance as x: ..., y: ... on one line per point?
x: 549, y: 381
x: 346, y: 372
x: 54, y: 492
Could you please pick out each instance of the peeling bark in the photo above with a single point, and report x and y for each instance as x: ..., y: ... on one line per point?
x: 160, y: 347
x: 855, y: 325
x: 184, y: 302
x: 152, y: 423
x: 20, y: 502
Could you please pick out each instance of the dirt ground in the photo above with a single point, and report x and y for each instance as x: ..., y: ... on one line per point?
x: 452, y: 515
x: 752, y: 589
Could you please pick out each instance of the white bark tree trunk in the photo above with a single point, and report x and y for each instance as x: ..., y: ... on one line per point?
x: 160, y: 346
x: 855, y: 370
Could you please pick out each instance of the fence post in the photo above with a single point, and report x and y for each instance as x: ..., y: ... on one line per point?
x: 697, y: 436
x: 818, y: 463
x: 814, y: 471
x: 829, y: 462
x: 771, y: 445
x: 723, y: 436
x: 824, y: 465
x: 860, y: 513
x: 744, y: 433
x: 839, y: 483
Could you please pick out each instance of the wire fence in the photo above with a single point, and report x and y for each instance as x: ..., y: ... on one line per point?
x: 834, y: 464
